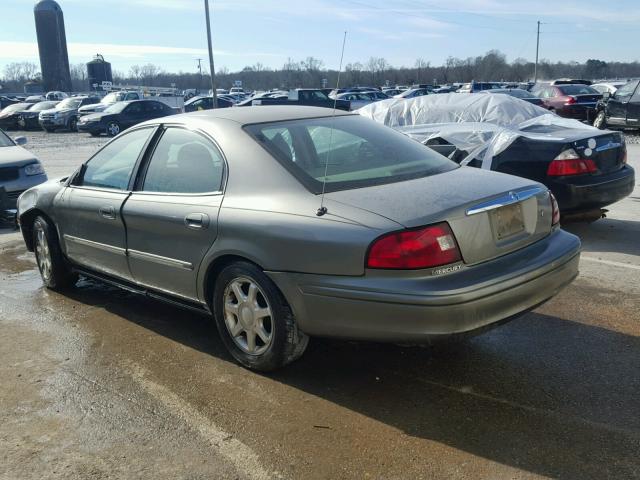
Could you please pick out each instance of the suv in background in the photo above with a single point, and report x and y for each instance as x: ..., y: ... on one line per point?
x: 65, y: 114
x: 475, y: 87
x: 106, y: 102
x: 620, y: 109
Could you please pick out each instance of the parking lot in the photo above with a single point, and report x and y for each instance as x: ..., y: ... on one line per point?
x: 99, y: 383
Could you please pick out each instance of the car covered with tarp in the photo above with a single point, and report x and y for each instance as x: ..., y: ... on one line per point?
x: 584, y: 167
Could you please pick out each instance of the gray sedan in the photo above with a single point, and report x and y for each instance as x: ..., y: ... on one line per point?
x: 286, y: 222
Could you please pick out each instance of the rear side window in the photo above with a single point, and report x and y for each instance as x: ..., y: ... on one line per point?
x: 355, y: 151
x: 112, y: 166
x: 184, y: 162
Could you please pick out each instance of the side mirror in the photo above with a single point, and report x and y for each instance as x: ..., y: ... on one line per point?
x: 606, y: 96
x: 20, y: 140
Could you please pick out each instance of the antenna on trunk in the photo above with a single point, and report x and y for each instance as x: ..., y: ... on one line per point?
x: 322, y: 210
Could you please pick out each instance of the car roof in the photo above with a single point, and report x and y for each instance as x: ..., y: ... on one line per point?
x: 257, y: 114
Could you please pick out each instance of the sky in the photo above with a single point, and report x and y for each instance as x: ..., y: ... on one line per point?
x: 171, y: 33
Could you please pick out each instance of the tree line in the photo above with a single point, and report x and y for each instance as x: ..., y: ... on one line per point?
x: 311, y: 72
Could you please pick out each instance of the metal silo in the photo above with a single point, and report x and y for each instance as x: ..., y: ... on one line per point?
x: 98, y: 71
x: 52, y: 45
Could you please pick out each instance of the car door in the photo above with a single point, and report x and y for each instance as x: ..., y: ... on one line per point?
x: 154, y: 109
x: 133, y: 114
x: 172, y: 215
x: 633, y: 108
x: 88, y: 211
x: 616, y: 109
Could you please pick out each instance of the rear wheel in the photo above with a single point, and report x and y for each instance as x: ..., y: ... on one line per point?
x: 254, y: 320
x: 54, y: 270
x: 73, y: 124
x: 601, y: 120
x: 113, y: 129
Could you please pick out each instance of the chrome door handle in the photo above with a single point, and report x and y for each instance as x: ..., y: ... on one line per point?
x: 197, y: 221
x: 108, y: 212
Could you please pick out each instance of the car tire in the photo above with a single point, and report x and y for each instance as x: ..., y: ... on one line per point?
x: 73, y: 124
x: 53, y: 267
x: 600, y: 120
x: 243, y: 298
x: 113, y: 129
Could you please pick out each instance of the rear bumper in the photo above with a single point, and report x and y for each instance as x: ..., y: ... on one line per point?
x: 586, y: 192
x: 579, y: 112
x: 387, y: 306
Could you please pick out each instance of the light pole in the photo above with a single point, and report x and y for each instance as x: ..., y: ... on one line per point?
x: 535, y: 71
x: 211, y: 68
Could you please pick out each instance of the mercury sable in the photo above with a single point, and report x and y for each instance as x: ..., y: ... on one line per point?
x: 284, y: 223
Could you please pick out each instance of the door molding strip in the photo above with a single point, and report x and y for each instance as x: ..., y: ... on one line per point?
x: 169, y: 262
x: 97, y: 245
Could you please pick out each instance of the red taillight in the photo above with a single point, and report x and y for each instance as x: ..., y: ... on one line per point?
x: 570, y: 163
x: 426, y: 247
x: 555, y: 210
x: 568, y: 100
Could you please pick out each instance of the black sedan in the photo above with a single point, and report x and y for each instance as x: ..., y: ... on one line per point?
x: 122, y: 115
x: 586, y: 169
x: 28, y: 119
x: 10, y: 115
x: 205, y: 103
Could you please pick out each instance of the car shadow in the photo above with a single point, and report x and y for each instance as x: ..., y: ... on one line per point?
x: 608, y: 235
x: 547, y: 395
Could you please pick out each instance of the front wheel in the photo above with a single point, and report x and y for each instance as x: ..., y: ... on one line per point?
x: 54, y: 270
x: 601, y: 120
x: 253, y: 319
x: 113, y: 129
x: 73, y: 124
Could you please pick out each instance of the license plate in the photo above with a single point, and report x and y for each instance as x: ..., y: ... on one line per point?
x: 507, y: 220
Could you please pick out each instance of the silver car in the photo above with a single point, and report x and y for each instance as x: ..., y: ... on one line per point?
x: 284, y: 222
x: 19, y: 171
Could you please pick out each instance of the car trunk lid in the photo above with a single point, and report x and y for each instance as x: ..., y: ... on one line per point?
x: 490, y: 214
x: 606, y: 151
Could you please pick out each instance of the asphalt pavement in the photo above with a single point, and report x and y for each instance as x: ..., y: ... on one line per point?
x: 98, y: 383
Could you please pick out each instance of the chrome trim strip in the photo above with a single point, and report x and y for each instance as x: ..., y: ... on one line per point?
x: 98, y: 245
x: 504, y: 200
x: 608, y: 146
x: 169, y: 262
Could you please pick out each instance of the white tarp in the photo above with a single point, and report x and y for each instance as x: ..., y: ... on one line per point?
x: 482, y: 124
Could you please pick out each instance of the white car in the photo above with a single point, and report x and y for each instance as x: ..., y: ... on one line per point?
x: 610, y: 87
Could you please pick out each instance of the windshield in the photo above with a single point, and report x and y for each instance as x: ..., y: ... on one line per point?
x: 17, y: 107
x: 578, y: 90
x: 38, y: 107
x: 116, y: 107
x: 356, y: 152
x: 113, y: 98
x: 5, y: 141
x: 69, y: 103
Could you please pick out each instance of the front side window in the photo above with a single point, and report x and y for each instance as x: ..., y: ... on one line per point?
x: 112, y: 166
x: 356, y: 152
x: 133, y: 109
x: 184, y: 162
x: 627, y: 90
x: 5, y: 141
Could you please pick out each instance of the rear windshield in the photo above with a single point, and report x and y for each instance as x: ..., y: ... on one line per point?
x: 578, y: 90
x: 355, y: 151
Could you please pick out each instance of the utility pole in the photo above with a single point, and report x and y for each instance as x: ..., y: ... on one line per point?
x: 211, y: 68
x: 535, y: 71
x: 200, y: 72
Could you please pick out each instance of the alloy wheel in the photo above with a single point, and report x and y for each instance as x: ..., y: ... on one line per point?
x: 248, y: 316
x: 113, y: 129
x: 43, y: 253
